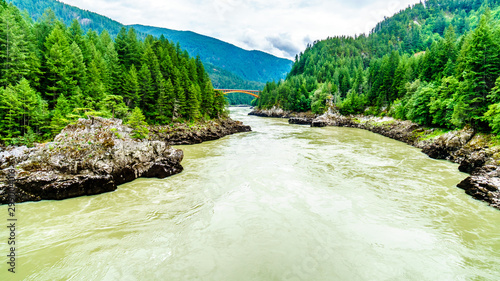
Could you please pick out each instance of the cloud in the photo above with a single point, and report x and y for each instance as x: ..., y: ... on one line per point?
x: 284, y: 44
x: 281, y: 27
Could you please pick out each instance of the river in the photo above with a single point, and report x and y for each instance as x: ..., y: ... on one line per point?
x: 284, y: 202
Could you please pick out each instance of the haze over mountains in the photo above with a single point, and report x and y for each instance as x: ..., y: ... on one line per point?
x: 228, y: 66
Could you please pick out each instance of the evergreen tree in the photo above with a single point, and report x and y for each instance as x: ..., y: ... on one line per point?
x: 138, y: 124
x: 114, y: 105
x: 10, y: 111
x: 58, y: 62
x: 481, y: 69
x: 60, y: 114
x: 166, y: 100
x: 115, y: 84
x: 147, y: 95
x: 193, y: 101
x: 131, y: 88
x: 13, y: 49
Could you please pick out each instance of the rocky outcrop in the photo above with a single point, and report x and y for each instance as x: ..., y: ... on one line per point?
x: 275, y: 112
x: 446, y: 146
x: 298, y: 118
x: 90, y: 157
x: 484, y: 185
x: 185, y: 134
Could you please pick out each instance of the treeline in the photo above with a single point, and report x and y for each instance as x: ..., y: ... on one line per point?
x: 51, y: 74
x: 436, y: 63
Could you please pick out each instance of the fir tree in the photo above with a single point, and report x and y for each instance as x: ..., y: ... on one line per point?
x: 138, y: 124
x: 131, y: 88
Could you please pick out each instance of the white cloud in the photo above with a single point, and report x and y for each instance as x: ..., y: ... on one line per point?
x: 279, y: 27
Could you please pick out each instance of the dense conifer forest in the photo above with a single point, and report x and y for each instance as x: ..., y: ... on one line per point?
x: 436, y: 63
x: 52, y: 74
x: 228, y: 66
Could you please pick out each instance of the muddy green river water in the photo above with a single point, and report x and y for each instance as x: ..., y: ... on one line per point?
x: 283, y: 202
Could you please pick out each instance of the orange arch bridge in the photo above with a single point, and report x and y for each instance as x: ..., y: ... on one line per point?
x: 253, y: 93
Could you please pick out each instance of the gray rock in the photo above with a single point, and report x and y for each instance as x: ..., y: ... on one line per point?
x: 484, y: 185
x: 300, y: 120
x: 90, y: 157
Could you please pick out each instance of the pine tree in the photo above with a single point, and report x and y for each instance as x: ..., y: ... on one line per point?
x: 146, y: 92
x: 133, y: 53
x: 115, y: 84
x: 193, y: 102
x: 180, y: 100
x: 131, y: 88
x: 121, y: 47
x: 207, y: 101
x: 79, y: 70
x: 59, y: 66
x: 138, y: 124
x: 29, y: 103
x: 13, y: 49
x: 10, y: 112
x: 60, y: 114
x: 115, y: 105
x: 481, y: 69
x: 165, y: 103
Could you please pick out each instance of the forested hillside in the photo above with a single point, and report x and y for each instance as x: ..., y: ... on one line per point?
x: 436, y: 63
x: 228, y: 66
x: 51, y: 74
x: 250, y: 65
x: 67, y: 13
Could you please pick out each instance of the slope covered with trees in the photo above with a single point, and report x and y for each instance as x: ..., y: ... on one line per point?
x: 436, y: 63
x: 51, y: 74
x: 249, y: 65
x: 67, y: 13
x: 228, y: 66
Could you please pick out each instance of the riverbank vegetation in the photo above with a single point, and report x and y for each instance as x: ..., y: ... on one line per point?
x: 436, y: 63
x: 52, y: 74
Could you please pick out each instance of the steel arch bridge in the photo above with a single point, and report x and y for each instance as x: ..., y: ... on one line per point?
x: 253, y: 93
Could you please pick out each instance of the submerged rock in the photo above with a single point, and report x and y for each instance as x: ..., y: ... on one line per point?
x: 90, y: 157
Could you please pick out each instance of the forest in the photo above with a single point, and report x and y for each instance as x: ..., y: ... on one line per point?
x: 228, y: 66
x: 436, y: 63
x: 52, y: 74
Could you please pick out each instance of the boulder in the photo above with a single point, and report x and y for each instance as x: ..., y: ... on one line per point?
x: 90, y: 157
x: 484, y: 185
x: 300, y: 120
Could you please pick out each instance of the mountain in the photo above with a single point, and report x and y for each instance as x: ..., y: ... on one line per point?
x: 228, y: 66
x: 67, y: 13
x: 250, y: 65
x: 435, y: 63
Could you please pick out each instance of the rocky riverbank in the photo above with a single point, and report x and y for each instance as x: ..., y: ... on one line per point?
x: 96, y: 155
x: 190, y: 134
x: 300, y: 118
x: 476, y: 153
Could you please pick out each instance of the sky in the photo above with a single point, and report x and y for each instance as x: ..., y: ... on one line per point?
x: 279, y: 27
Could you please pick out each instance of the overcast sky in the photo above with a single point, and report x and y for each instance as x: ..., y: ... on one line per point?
x: 280, y: 27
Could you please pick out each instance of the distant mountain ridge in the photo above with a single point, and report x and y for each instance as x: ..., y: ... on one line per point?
x: 227, y: 65
x: 250, y: 65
